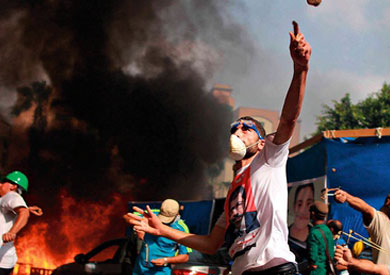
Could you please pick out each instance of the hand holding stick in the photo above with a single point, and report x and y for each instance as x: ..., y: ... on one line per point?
x: 325, y: 193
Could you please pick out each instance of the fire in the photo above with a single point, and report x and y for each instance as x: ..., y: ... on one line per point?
x: 82, y: 226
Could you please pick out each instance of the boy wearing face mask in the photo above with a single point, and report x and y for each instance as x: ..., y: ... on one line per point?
x: 254, y: 223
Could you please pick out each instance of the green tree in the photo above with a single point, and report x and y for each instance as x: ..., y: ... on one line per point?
x: 372, y: 112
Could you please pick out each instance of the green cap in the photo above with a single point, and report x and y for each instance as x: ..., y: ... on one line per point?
x: 18, y: 178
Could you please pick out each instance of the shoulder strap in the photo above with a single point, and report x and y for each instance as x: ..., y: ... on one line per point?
x: 184, y: 225
x: 326, y: 242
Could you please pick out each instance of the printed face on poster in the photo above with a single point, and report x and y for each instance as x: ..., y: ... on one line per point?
x: 301, y: 195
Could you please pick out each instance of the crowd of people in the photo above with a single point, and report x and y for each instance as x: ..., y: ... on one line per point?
x: 254, y: 225
x: 377, y: 224
x: 325, y: 251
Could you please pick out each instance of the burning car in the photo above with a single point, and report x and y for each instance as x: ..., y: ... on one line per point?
x: 113, y: 257
x: 116, y: 257
x: 119, y: 255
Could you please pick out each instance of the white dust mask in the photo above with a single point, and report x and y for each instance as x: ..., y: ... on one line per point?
x: 238, y: 148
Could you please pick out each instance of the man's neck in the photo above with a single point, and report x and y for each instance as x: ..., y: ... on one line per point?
x: 244, y: 162
x: 318, y: 222
x: 2, y: 195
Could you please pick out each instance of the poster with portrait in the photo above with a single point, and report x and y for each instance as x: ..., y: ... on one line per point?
x: 300, y: 197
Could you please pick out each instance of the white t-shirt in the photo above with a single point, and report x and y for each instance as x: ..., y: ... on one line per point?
x: 8, y: 203
x: 258, y: 238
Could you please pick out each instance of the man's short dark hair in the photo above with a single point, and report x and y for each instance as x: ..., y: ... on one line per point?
x: 387, y: 200
x: 386, y: 206
x: 336, y: 225
x: 259, y: 125
x: 235, y: 193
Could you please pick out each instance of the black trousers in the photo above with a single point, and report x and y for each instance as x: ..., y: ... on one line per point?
x: 5, y: 271
x: 283, y: 269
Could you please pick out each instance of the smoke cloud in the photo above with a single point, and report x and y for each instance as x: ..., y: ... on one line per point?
x: 124, y: 106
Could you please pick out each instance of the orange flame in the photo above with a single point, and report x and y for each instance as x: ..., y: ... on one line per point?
x: 83, y: 226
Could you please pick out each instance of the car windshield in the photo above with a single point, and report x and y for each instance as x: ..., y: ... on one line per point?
x: 105, y: 251
x: 106, y: 254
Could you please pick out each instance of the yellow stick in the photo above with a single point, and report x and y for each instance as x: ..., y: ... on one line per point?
x: 377, y: 247
x: 367, y: 240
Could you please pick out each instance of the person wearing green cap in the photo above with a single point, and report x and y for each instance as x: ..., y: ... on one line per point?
x: 14, y: 215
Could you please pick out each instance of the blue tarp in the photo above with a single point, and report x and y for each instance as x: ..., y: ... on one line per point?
x: 361, y: 167
x: 308, y: 165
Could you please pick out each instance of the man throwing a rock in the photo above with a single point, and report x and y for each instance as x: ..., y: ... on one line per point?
x: 254, y: 224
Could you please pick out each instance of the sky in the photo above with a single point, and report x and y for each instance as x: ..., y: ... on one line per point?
x: 350, y: 50
x: 350, y: 53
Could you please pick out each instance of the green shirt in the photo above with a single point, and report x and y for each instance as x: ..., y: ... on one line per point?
x: 317, y: 247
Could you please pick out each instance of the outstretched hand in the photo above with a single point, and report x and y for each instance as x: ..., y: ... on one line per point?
x: 340, y: 196
x: 149, y: 223
x: 35, y: 210
x: 300, y: 50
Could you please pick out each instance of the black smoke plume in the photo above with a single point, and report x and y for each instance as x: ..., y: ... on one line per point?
x: 127, y: 109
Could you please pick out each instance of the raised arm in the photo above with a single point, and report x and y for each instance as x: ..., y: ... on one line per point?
x: 356, y: 203
x: 300, y: 52
x: 204, y: 243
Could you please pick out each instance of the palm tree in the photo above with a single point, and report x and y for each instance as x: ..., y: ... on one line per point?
x: 37, y: 94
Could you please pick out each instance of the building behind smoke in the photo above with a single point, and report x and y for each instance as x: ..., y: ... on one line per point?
x: 269, y: 118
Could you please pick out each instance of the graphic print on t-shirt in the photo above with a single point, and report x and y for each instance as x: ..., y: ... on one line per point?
x: 241, y: 216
